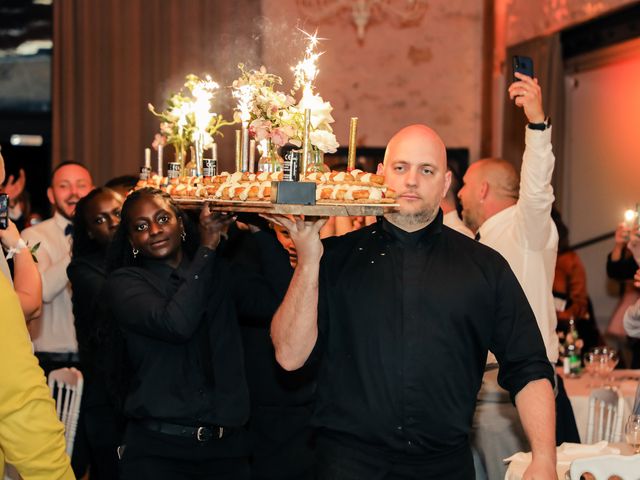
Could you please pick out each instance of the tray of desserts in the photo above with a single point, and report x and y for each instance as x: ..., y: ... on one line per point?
x: 336, y: 193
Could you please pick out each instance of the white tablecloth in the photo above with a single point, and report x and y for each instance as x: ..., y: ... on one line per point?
x: 567, y: 452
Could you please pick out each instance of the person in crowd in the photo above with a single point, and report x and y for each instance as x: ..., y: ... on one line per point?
x: 31, y: 436
x: 621, y: 267
x: 176, y: 302
x: 280, y: 436
x: 96, y: 219
x: 53, y: 334
x: 621, y: 264
x: 631, y: 319
x: 122, y: 184
x: 26, y: 279
x: 20, y: 211
x: 511, y: 213
x: 570, y: 290
x: 450, y: 204
x: 400, y: 316
x: 632, y: 314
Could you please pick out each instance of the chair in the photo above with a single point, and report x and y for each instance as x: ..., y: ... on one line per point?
x: 605, y: 416
x: 66, y: 387
x: 603, y: 468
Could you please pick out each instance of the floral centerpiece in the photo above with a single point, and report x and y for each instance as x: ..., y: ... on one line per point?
x: 187, y: 118
x: 275, y: 119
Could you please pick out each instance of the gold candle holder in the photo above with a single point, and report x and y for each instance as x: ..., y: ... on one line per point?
x: 238, y: 151
x: 351, y: 158
x: 306, y: 143
x: 252, y: 156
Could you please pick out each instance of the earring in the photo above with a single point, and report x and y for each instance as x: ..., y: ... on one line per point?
x: 183, y: 235
x: 135, y: 252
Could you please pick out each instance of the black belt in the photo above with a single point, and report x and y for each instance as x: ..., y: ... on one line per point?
x: 201, y: 434
x: 59, y: 357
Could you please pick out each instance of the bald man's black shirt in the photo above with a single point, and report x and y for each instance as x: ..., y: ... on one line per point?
x: 405, y: 322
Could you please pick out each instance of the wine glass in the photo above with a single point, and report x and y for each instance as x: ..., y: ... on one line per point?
x: 608, y: 362
x: 613, y: 359
x: 590, y: 360
x: 632, y: 432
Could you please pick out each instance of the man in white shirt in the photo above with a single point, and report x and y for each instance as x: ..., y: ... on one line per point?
x: 632, y: 314
x: 450, y: 216
x: 512, y: 214
x: 53, y: 334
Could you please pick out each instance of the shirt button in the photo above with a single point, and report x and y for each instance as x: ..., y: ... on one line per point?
x: 409, y: 444
x: 206, y: 255
x: 399, y: 427
x: 196, y: 277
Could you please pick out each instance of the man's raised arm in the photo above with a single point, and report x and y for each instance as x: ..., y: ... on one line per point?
x: 294, y: 329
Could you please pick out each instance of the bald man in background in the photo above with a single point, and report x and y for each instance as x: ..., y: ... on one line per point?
x: 511, y: 213
x: 400, y: 315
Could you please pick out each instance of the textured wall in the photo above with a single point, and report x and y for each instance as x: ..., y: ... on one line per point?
x: 531, y: 18
x: 429, y: 73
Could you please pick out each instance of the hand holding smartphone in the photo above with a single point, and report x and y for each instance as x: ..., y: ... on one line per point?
x: 522, y: 64
x: 4, y: 211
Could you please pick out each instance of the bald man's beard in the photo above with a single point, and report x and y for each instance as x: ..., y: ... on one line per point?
x: 421, y: 218
x: 470, y: 220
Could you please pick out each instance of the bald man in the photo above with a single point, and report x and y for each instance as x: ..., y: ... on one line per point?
x: 511, y: 213
x: 400, y: 315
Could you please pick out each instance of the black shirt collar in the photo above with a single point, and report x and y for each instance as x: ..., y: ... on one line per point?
x: 413, y: 238
x: 161, y: 269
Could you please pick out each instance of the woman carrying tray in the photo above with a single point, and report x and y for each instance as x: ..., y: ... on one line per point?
x: 173, y: 298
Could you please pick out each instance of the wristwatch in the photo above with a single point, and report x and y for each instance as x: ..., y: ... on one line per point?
x: 540, y: 126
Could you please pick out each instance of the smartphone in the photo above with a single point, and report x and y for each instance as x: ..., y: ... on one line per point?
x: 4, y: 211
x: 522, y: 64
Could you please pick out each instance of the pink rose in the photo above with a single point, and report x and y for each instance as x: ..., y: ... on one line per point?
x: 260, y: 129
x: 279, y: 137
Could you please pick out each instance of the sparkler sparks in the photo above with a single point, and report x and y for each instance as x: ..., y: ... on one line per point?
x: 203, y: 93
x: 244, y: 94
x: 306, y: 71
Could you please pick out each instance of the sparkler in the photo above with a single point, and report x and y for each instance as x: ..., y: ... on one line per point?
x: 304, y: 73
x: 244, y: 94
x: 202, y: 93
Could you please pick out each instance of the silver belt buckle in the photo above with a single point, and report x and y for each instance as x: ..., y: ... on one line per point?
x: 202, y: 434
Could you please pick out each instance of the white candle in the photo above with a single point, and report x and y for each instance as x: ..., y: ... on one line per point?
x: 147, y: 158
x: 214, y: 151
x: 160, y: 148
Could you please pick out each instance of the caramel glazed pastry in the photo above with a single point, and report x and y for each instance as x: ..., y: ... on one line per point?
x: 332, y: 187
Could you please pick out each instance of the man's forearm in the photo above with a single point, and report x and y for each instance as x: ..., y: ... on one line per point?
x: 54, y: 279
x: 536, y: 408
x: 294, y: 329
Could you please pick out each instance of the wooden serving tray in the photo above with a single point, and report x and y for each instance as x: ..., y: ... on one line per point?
x: 319, y: 210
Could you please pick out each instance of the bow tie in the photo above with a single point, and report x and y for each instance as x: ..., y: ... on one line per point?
x: 68, y: 230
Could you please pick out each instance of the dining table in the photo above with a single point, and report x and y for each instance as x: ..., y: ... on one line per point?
x: 578, y: 388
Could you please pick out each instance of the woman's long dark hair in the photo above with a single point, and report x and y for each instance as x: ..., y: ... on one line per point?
x: 120, y: 252
x: 82, y: 243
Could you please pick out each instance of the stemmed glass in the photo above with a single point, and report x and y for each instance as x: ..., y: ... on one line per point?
x: 609, y: 360
x: 591, y: 359
x: 632, y: 432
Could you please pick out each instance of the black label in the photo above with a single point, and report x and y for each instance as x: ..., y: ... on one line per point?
x: 291, y: 169
x: 173, y: 170
x: 144, y: 173
x: 209, y: 167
